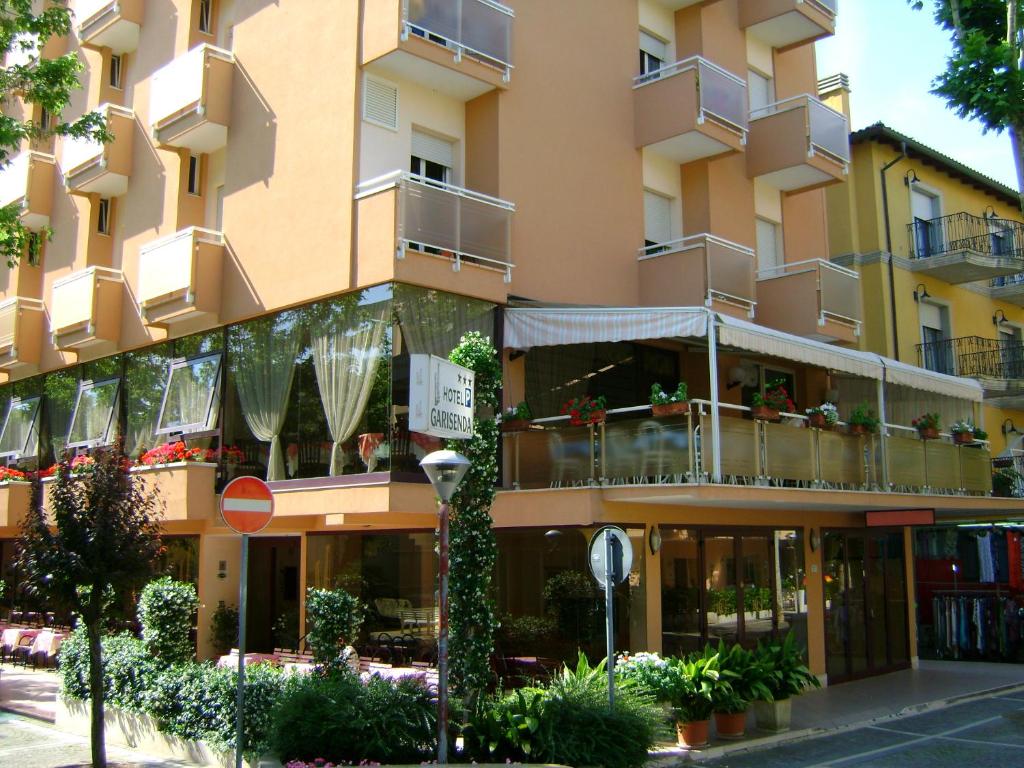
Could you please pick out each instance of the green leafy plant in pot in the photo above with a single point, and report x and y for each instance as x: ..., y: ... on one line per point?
x: 692, y: 700
x: 742, y: 679
x: 785, y: 674
x: 863, y: 420
x: 669, y: 403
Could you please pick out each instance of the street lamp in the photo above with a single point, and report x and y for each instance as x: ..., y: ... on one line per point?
x: 445, y: 469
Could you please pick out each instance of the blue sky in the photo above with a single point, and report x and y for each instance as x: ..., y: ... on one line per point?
x: 891, y: 54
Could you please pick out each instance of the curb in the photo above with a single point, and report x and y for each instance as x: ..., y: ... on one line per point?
x: 674, y: 756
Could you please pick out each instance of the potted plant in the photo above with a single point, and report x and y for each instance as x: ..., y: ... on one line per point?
x: 516, y: 418
x: 668, y: 404
x: 963, y: 432
x: 824, y: 416
x: 698, y: 679
x: 658, y: 677
x: 784, y: 674
x: 863, y: 420
x: 774, y: 401
x: 927, y: 426
x: 742, y: 679
x: 980, y: 434
x: 585, y: 410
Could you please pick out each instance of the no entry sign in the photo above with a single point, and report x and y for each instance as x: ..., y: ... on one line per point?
x: 247, y: 505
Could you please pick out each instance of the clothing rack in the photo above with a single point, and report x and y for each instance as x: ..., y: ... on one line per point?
x: 976, y: 623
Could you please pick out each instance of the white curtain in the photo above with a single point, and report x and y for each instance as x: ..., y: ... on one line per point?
x: 346, y: 355
x: 433, y: 322
x: 264, y: 367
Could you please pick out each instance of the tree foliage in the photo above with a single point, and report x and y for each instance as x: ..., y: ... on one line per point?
x: 473, y: 547
x: 166, y: 607
x: 333, y: 617
x: 102, y: 543
x: 44, y: 82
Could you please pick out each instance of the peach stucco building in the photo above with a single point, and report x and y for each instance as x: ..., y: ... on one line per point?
x: 619, y: 193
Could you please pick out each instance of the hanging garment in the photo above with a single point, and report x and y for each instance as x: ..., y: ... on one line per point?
x: 986, y: 565
x: 1013, y: 556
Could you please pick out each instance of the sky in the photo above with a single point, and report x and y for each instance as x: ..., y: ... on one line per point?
x: 891, y: 54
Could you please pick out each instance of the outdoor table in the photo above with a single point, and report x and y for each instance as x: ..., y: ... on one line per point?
x: 231, y: 660
x: 12, y: 636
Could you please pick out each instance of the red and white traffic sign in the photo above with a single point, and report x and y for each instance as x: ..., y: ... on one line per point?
x: 247, y: 505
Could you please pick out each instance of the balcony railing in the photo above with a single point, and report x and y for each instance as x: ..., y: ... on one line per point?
x: 708, y: 269
x: 190, y: 99
x: 959, y: 232
x: 180, y: 276
x: 633, y: 447
x: 28, y: 181
x: 721, y: 95
x: 86, y: 307
x: 449, y: 222
x: 827, y: 131
x: 838, y: 288
x: 974, y: 357
x: 112, y: 24
x: 479, y: 29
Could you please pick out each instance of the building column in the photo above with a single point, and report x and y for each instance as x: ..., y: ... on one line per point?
x: 908, y: 565
x: 815, y: 604
x: 652, y: 587
x: 303, y: 539
x: 219, y: 560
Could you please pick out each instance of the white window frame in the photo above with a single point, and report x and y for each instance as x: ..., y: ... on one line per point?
x: 107, y: 437
x: 116, y: 71
x: 24, y: 452
x: 103, y: 216
x: 209, y: 423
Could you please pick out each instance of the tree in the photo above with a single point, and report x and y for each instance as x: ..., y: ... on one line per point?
x: 474, y: 549
x: 103, y: 544
x: 47, y: 83
x: 983, y: 79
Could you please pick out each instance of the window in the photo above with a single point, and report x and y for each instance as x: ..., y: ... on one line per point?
x: 115, y: 71
x: 657, y: 218
x: 193, y: 175
x: 206, y: 16
x: 220, y: 209
x: 769, y: 247
x: 191, y: 396
x: 1011, y: 352
x: 44, y: 119
x: 936, y: 346
x: 19, y: 438
x: 926, y: 210
x: 95, y: 416
x: 103, y: 217
x: 432, y: 157
x: 761, y: 89
x: 653, y: 52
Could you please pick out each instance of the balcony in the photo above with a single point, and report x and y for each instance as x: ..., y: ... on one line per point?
x: 86, y: 308
x: 783, y: 295
x: 798, y: 144
x: 90, y: 167
x: 14, y: 501
x: 190, y: 100
x: 1009, y: 288
x: 412, y: 229
x: 997, y: 364
x: 462, y: 48
x: 788, y: 23
x: 28, y: 182
x: 677, y: 450
x: 187, y: 488
x: 699, y: 270
x: 180, y: 277
x: 690, y: 110
x: 21, y: 333
x: 112, y: 24
x: 676, y: 5
x: 963, y: 248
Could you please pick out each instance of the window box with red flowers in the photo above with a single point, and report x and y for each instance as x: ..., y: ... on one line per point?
x: 585, y: 410
x: 774, y: 402
x: 15, y: 492
x: 927, y: 426
x: 185, y: 478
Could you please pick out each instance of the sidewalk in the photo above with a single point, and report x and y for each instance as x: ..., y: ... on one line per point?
x: 29, y: 692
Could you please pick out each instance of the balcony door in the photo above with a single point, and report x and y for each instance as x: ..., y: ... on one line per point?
x: 925, y: 209
x: 937, y: 349
x: 1011, y: 352
x: 866, y: 630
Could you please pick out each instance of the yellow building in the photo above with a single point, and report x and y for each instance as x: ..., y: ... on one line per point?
x: 296, y: 201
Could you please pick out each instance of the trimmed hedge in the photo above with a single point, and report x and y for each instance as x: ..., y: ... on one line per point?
x: 166, y: 608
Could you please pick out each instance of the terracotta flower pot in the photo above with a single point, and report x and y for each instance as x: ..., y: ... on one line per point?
x: 857, y: 429
x: 515, y: 425
x: 693, y: 734
x: 596, y: 417
x: 670, y: 409
x: 730, y: 725
x: 818, y: 421
x: 928, y: 433
x: 963, y: 438
x: 764, y: 413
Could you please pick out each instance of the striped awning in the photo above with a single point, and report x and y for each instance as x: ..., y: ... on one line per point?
x: 528, y: 327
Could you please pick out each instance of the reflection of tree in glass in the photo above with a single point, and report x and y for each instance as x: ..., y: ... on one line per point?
x: 59, y: 390
x: 95, y: 415
x: 145, y: 378
x: 433, y: 322
x: 189, y: 391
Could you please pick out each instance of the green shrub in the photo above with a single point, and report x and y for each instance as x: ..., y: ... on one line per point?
x: 73, y: 666
x: 224, y: 628
x: 128, y: 670
x: 166, y: 608
x: 333, y: 619
x: 335, y: 717
x: 568, y: 722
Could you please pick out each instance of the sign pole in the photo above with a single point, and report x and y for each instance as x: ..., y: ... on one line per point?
x: 442, y: 638
x: 243, y: 590
x: 609, y: 609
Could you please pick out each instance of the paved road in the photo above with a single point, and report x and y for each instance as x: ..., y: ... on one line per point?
x: 27, y: 743
x: 985, y: 732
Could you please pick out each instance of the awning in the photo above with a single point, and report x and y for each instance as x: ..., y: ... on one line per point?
x: 767, y: 341
x: 527, y: 327
x: 930, y: 381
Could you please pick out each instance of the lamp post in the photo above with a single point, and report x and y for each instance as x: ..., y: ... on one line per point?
x: 445, y: 469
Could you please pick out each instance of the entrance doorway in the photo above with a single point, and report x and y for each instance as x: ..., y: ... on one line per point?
x: 865, y: 603
x: 272, y: 618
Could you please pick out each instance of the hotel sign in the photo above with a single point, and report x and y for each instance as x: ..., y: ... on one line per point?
x: 440, y: 398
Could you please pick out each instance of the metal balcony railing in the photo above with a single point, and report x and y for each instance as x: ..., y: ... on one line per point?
x: 721, y: 95
x: 974, y: 356
x: 966, y: 232
x: 480, y: 29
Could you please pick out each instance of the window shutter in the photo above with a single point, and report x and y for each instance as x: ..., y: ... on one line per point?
x: 657, y: 217
x: 931, y: 316
x: 652, y: 45
x: 767, y: 244
x: 431, y: 148
x: 380, y: 103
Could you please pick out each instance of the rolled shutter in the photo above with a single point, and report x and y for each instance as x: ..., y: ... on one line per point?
x: 657, y: 217
x: 433, y: 149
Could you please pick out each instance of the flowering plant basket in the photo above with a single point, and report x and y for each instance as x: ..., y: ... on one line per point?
x: 927, y: 426
x: 585, y: 410
x: 516, y: 418
x: 963, y: 432
x: 175, y: 453
x: 669, y: 403
x: 774, y: 401
x: 824, y: 416
x: 9, y: 473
